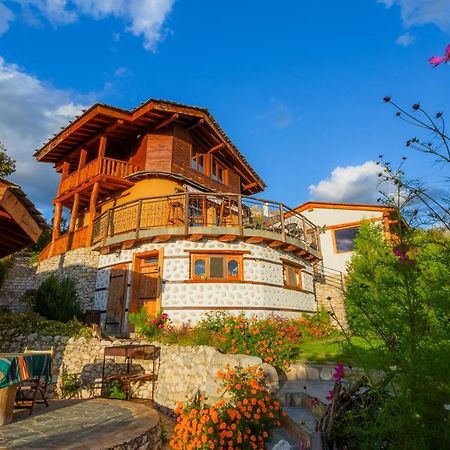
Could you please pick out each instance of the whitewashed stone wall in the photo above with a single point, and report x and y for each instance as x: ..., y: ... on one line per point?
x: 182, y: 371
x: 262, y: 266
x: 80, y: 265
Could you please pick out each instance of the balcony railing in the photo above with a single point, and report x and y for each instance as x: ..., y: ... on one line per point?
x: 206, y: 214
x: 65, y: 242
x: 103, y: 166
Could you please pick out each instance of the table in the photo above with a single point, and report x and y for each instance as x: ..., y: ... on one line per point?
x: 14, y: 368
x: 130, y: 352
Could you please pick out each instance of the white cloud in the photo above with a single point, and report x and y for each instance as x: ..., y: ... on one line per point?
x: 405, y: 39
x: 6, y: 16
x: 30, y: 112
x: 421, y: 12
x: 351, y: 184
x: 144, y: 18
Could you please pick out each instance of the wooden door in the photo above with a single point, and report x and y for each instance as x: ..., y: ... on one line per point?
x: 115, y: 308
x: 146, y: 289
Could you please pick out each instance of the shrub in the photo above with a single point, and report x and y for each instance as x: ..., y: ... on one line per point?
x: 242, y: 421
x: 271, y: 339
x: 4, y: 265
x: 32, y: 322
x: 114, y: 389
x: 57, y: 299
x: 149, y: 327
x: 70, y: 384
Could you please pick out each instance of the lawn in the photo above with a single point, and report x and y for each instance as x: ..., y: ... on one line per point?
x: 335, y: 348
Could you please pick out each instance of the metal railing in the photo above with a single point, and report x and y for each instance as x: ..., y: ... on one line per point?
x: 233, y: 214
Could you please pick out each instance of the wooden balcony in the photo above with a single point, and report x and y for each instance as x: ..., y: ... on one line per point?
x: 198, y: 215
x: 107, y: 167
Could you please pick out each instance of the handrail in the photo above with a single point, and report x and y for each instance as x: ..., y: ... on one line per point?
x: 206, y: 209
x: 103, y: 166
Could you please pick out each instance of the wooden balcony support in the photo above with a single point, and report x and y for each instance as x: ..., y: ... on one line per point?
x: 92, y: 210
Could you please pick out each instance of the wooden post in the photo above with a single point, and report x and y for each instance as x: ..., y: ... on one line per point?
x: 64, y: 173
x: 57, y: 221
x: 283, y: 229
x: 138, y: 218
x: 240, y: 221
x: 305, y: 238
x: 92, y: 211
x: 186, y: 213
x: 81, y: 163
x: 108, y: 224
x: 101, y: 152
x: 74, y: 212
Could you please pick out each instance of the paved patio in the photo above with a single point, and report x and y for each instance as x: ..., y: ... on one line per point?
x: 83, y: 424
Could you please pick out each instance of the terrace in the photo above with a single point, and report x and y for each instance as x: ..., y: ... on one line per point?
x: 197, y: 215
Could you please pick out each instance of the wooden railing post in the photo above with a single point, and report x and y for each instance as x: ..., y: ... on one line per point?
x: 108, y: 223
x: 305, y: 238
x: 186, y: 213
x: 138, y: 218
x: 240, y: 218
x: 283, y: 229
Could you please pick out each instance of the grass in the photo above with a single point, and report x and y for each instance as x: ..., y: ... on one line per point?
x: 335, y: 348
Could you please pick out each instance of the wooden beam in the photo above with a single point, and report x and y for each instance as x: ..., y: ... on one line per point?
x: 195, y: 237
x: 92, y: 210
x: 275, y: 244
x: 198, y: 123
x: 126, y: 245
x: 290, y: 248
x: 93, y: 139
x: 250, y: 186
x: 301, y: 252
x: 20, y: 214
x: 167, y: 122
x: 227, y: 238
x: 216, y: 147
x: 162, y: 238
x: 254, y: 240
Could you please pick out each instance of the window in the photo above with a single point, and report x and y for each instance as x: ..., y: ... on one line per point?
x: 218, y: 171
x: 292, y: 274
x: 198, y: 161
x: 344, y: 239
x: 216, y: 267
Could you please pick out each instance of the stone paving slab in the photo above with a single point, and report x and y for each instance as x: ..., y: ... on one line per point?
x: 85, y: 424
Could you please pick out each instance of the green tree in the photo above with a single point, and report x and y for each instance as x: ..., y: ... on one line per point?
x: 57, y: 299
x: 7, y: 164
x: 398, y: 299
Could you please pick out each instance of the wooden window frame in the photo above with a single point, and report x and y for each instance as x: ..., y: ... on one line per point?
x: 298, y: 269
x: 214, y: 176
x: 340, y: 228
x: 195, y: 157
x: 227, y: 257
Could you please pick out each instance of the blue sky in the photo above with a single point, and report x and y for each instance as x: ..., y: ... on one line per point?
x: 297, y: 85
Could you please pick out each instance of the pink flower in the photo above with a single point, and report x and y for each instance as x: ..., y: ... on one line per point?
x: 436, y: 60
x: 164, y: 316
x: 330, y: 395
x: 338, y: 372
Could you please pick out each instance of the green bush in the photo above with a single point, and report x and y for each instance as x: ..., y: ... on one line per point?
x: 70, y: 385
x: 32, y: 322
x: 149, y: 327
x: 57, y: 299
x: 114, y: 389
x: 4, y: 265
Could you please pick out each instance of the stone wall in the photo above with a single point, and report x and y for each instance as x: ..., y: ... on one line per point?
x: 330, y: 296
x: 182, y: 371
x: 261, y: 294
x: 20, y: 278
x: 80, y: 265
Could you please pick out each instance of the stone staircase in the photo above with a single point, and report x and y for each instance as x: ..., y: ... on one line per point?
x: 303, y: 398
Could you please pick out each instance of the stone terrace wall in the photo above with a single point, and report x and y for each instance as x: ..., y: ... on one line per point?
x: 80, y: 265
x: 182, y: 371
x: 330, y: 296
x: 20, y: 278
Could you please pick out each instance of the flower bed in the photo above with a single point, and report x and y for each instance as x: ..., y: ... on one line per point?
x: 241, y: 419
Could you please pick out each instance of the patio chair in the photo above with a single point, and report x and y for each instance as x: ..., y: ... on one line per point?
x: 29, y: 391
